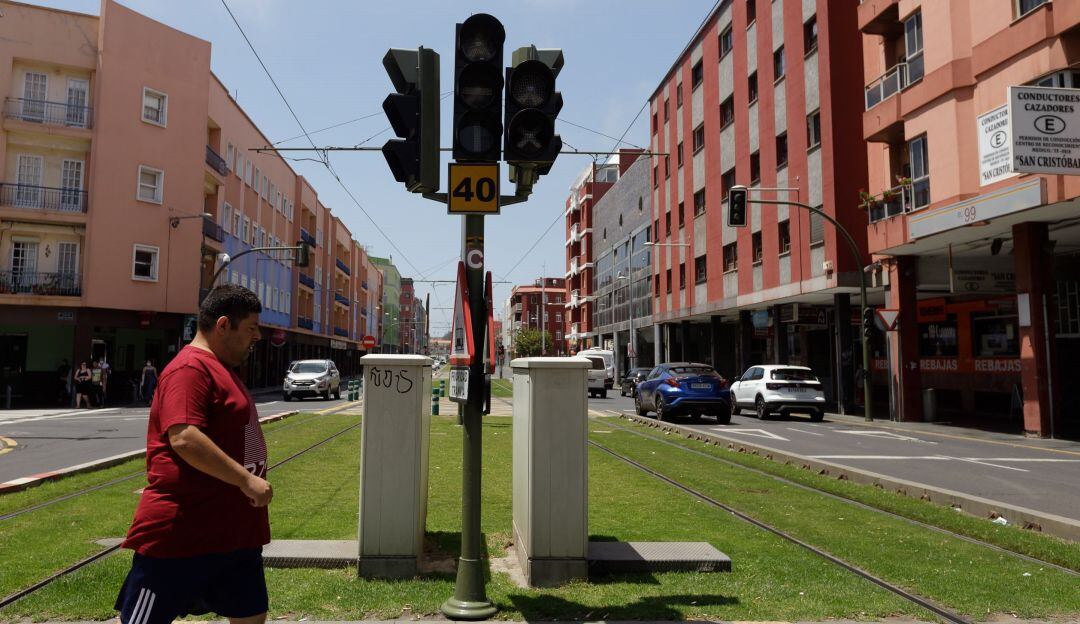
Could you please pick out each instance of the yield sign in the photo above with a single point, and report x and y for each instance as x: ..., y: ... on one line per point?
x: 888, y: 317
x: 757, y: 433
x: 461, y: 338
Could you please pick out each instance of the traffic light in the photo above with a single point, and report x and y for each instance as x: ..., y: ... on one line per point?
x: 303, y: 254
x: 414, y: 115
x: 736, y: 216
x: 867, y: 321
x: 532, y: 104
x: 478, y: 53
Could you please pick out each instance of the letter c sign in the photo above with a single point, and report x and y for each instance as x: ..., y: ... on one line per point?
x: 474, y: 259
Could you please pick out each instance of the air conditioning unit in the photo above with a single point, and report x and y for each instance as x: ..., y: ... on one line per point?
x: 827, y: 266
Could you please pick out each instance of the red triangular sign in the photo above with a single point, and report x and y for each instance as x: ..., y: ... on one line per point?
x: 888, y: 317
x: 461, y: 338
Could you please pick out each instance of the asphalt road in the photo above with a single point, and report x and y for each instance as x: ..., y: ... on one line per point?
x: 1043, y: 475
x: 50, y: 439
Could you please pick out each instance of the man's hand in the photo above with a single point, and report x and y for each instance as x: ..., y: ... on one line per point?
x: 258, y: 491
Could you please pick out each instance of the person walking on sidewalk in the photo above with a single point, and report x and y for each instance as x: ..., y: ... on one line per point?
x: 202, y: 520
x: 148, y: 382
x: 96, y: 375
x: 83, y: 386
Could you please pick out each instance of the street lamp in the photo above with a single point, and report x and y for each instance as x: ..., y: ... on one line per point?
x: 652, y: 244
x: 630, y: 300
x: 175, y: 221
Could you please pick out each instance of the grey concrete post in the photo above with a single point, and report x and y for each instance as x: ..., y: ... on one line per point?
x: 658, y: 344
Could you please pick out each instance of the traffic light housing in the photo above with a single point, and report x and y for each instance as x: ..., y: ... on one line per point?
x: 303, y: 254
x: 867, y: 322
x: 736, y: 216
x: 478, y: 81
x: 532, y: 105
x: 413, y: 112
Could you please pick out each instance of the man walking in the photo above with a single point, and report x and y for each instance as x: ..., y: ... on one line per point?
x: 202, y: 520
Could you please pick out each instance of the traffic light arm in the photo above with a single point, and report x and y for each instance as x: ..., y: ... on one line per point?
x: 867, y: 386
x: 232, y: 259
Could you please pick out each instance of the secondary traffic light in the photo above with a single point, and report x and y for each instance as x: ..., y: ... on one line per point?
x: 414, y: 115
x: 532, y: 104
x: 478, y: 53
x: 867, y: 322
x: 736, y: 216
x: 303, y: 254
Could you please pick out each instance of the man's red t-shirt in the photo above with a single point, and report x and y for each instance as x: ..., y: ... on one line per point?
x: 184, y: 512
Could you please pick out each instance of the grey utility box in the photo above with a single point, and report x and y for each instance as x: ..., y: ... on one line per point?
x: 551, y: 484
x: 394, y: 464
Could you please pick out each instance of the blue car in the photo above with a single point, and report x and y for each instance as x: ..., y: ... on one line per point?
x: 684, y: 388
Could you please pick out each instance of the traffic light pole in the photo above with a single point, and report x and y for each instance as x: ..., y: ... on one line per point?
x: 470, y: 600
x: 867, y: 386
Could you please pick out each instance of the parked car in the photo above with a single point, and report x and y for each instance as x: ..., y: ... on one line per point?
x: 634, y: 376
x: 769, y: 389
x: 684, y: 388
x: 597, y: 376
x: 311, y: 378
x: 609, y: 364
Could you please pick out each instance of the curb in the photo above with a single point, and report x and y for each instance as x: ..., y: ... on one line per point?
x: 22, y: 483
x: 1050, y: 524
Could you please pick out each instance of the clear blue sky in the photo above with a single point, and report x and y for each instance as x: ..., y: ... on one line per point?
x: 326, y: 56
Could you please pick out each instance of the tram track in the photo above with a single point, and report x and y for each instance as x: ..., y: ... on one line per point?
x: 844, y: 499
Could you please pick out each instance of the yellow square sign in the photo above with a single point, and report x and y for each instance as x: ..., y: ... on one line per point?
x: 474, y: 189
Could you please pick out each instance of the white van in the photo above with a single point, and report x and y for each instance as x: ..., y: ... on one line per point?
x: 609, y: 362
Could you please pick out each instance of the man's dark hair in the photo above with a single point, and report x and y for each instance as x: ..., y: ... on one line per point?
x: 231, y: 300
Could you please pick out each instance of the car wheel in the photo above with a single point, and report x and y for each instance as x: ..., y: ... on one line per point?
x: 817, y: 416
x: 661, y: 409
x: 326, y: 394
x: 337, y: 393
x: 760, y: 410
x: 695, y: 416
x: 723, y: 417
x: 641, y: 411
x: 285, y: 396
x: 603, y: 395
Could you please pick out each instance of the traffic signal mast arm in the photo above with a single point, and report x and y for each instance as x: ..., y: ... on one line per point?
x: 302, y: 260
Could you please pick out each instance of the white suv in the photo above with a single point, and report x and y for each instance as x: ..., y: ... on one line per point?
x: 311, y: 378
x: 780, y: 389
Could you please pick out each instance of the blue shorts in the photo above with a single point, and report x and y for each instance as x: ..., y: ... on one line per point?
x: 160, y: 590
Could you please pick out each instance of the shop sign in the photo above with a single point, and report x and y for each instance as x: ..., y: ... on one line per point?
x: 997, y: 365
x: 930, y: 311
x: 938, y: 365
x: 65, y: 315
x: 1027, y: 194
x: 974, y: 281
x: 995, y: 146
x: 803, y: 314
x: 277, y: 337
x: 338, y: 344
x: 1045, y: 130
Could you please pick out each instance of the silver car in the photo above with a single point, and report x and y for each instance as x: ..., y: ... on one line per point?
x: 312, y: 378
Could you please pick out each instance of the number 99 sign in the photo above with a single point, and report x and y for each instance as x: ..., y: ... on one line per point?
x: 474, y: 189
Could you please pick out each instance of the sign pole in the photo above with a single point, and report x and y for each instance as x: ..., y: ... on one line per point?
x: 470, y: 601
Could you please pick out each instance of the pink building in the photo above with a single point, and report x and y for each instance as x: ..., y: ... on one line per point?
x: 127, y: 170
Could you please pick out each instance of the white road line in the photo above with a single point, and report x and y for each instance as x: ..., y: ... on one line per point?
x: 1025, y: 459
x: 757, y: 433
x: 983, y: 463
x: 885, y: 435
x: 809, y: 432
x: 69, y: 415
x: 935, y: 457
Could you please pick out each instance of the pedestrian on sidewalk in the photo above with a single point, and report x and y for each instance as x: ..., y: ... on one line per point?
x: 202, y: 520
x: 148, y: 382
x: 63, y: 382
x: 83, y: 386
x: 96, y: 375
x: 105, y: 371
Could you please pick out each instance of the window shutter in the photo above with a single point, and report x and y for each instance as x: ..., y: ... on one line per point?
x: 817, y: 228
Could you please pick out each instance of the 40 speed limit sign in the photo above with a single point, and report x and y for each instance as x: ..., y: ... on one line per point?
x: 474, y: 189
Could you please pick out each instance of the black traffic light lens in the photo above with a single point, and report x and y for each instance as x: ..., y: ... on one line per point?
x: 530, y: 133
x: 532, y: 84
x: 481, y: 38
x: 476, y: 135
x: 478, y: 85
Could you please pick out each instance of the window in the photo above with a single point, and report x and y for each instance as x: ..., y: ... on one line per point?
x: 817, y: 228
x: 666, y: 115
x: 667, y: 223
x: 755, y: 167
x: 35, y: 92
x: 678, y: 95
x: 913, y: 46
x: 813, y: 129
x: 727, y: 112
x: 679, y: 155
x: 656, y: 230
x: 726, y: 182
x: 145, y: 263
x: 995, y: 334
x: 226, y: 217
x: 682, y: 276
x: 155, y: 108
x: 751, y: 87
x: 667, y: 167
x: 699, y: 202
x: 938, y: 339
x: 1027, y: 6
x: 699, y: 137
x: 783, y: 230
x: 699, y: 270
x: 237, y: 220
x: 726, y: 42
x: 655, y: 124
x: 751, y: 11
x: 656, y: 285
x: 67, y: 258
x: 229, y: 154
x: 809, y: 33
x: 668, y: 275
x: 656, y: 177
x: 682, y: 215
x: 150, y: 182
x: 697, y: 74
x: 246, y: 229
x: 781, y: 150
x: 778, y: 65
x: 920, y: 171
x: 731, y: 257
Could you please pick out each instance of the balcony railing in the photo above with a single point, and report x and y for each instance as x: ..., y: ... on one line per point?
x: 363, y: 285
x: 50, y: 284
x: 887, y: 85
x: 211, y: 229
x: 307, y: 237
x: 306, y: 280
x: 216, y: 162
x: 45, y: 112
x: 363, y: 310
x: 42, y: 197
x: 892, y: 202
x: 344, y: 267
x: 342, y: 299
x: 341, y: 331
x: 305, y: 323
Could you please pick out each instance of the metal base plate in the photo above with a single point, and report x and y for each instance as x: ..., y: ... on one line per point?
x: 656, y: 557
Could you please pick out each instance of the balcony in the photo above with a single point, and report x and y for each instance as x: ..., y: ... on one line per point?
x: 892, y: 202
x: 363, y: 285
x: 42, y: 197
x: 212, y: 230
x: 48, y: 113
x: 341, y: 331
x: 342, y: 299
x: 306, y: 280
x: 307, y: 237
x: 363, y: 310
x: 46, y: 284
x: 216, y: 162
x: 305, y: 323
x: 886, y: 85
x: 344, y: 267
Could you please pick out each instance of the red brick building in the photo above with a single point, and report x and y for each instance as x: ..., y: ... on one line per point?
x: 586, y: 190
x: 540, y: 305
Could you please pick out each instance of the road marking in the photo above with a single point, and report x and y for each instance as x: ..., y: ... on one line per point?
x: 935, y: 457
x: 54, y: 416
x: 757, y: 433
x: 983, y: 463
x: 802, y: 431
x: 971, y: 439
x: 1029, y: 459
x: 885, y: 435
x: 7, y: 445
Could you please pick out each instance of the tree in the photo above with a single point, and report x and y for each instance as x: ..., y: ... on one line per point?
x: 527, y: 342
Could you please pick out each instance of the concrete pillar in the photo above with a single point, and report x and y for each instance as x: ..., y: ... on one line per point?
x: 684, y: 341
x: 845, y: 352
x: 746, y: 336
x: 780, y: 332
x: 1035, y: 291
x: 667, y: 344
x: 550, y: 463
x: 905, y: 380
x: 617, y: 360
x: 715, y: 338
x: 394, y: 464
x: 658, y: 344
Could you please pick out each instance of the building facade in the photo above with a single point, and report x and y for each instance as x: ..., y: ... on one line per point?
x: 586, y: 190
x: 766, y: 95
x: 980, y: 263
x: 390, y: 335
x: 537, y: 306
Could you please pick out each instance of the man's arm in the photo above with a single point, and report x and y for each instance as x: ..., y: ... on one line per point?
x: 197, y: 449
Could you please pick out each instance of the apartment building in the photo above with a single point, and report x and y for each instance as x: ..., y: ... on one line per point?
x: 586, y: 190
x: 981, y: 263
x: 766, y: 94
x: 390, y: 311
x: 128, y: 172
x: 537, y: 306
